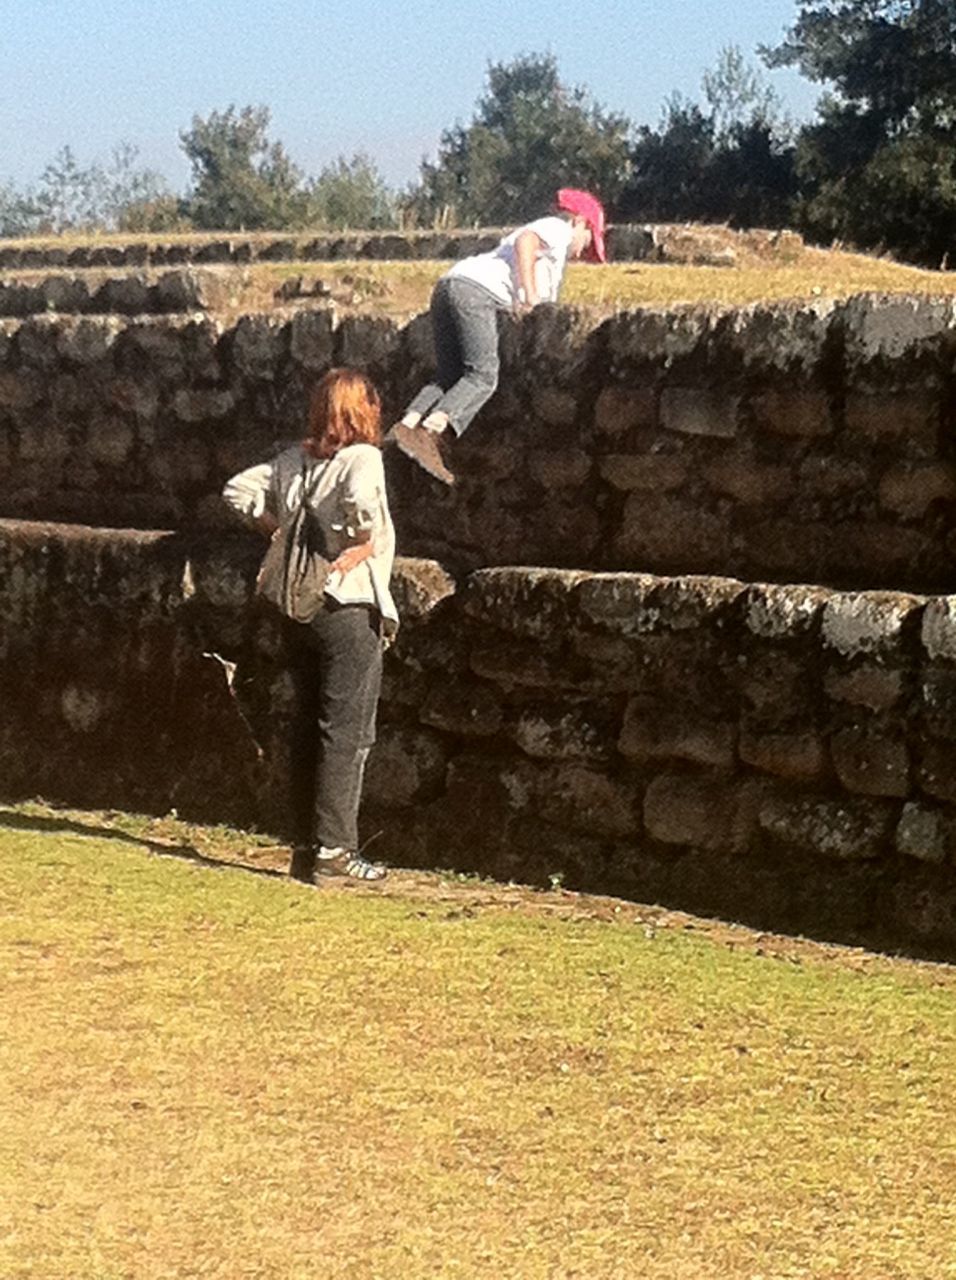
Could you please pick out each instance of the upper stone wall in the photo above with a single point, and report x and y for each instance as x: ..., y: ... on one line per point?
x: 790, y: 443
x: 716, y: 246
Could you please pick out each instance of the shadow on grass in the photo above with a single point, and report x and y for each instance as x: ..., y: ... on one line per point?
x: 12, y: 821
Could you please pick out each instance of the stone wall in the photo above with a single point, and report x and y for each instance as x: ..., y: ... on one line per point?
x: 792, y: 443
x: 625, y: 243
x: 92, y: 293
x: 784, y: 754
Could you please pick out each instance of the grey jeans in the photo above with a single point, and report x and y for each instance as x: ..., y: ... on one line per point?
x: 465, y: 327
x: 336, y: 666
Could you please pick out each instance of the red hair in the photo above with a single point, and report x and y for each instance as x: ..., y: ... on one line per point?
x: 344, y: 409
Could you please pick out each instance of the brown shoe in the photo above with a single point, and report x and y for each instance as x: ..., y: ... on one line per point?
x: 422, y: 447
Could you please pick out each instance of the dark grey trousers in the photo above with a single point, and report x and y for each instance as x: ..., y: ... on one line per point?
x: 336, y: 666
x: 465, y: 328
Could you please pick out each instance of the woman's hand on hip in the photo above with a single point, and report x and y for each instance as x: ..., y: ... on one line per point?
x: 350, y: 557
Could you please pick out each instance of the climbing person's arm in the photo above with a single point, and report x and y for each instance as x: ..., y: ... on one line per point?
x: 527, y: 247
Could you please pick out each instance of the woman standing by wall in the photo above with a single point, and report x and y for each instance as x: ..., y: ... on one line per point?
x: 336, y: 659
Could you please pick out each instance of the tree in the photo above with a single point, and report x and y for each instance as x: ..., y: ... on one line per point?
x: 879, y: 167
x: 730, y: 160
x: 241, y: 180
x: 530, y: 135
x: 351, y: 193
x: 739, y: 98
x: 70, y: 196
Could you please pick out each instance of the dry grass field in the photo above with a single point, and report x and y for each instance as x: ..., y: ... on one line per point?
x: 763, y: 269
x: 403, y: 288
x: 208, y: 1070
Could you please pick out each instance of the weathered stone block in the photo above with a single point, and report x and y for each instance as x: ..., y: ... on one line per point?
x: 557, y: 408
x: 774, y: 611
x: 870, y: 763
x: 564, y: 469
x: 47, y: 441
x: 110, y: 439
x: 658, y: 337
x: 779, y: 686
x: 751, y: 482
x: 674, y: 733
x: 621, y: 410
x: 89, y: 340
x: 937, y: 770
x: 133, y: 395
x: 466, y: 708
x: 888, y: 328
x: 574, y: 796
x: 909, y: 489
x: 520, y: 663
x: 690, y: 601
x: 821, y: 475
x: 796, y: 756
x: 939, y: 701
x: 405, y: 767
x: 669, y: 532
x: 365, y: 342
x: 878, y: 688
x: 908, y: 422
x: 698, y: 411
x: 180, y: 291
x: 202, y: 404
x: 648, y: 472
x: 554, y: 733
x: 67, y: 294
x: 20, y: 388
x: 802, y: 414
x: 123, y: 295
x: 37, y: 341
x: 419, y: 586
x: 258, y: 346
x: 312, y: 339
x: 621, y: 602
x: 705, y: 814
x: 782, y: 338
x: 527, y: 602
x: 868, y: 621
x: 923, y: 833
x: 160, y: 343
x: 938, y: 631
x: 846, y: 829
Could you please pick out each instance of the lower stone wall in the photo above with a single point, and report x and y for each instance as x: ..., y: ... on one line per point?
x: 784, y: 754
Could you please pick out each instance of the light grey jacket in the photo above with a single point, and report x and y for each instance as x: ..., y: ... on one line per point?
x: 347, y: 496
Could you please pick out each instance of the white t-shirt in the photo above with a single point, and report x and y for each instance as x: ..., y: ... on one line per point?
x: 497, y: 271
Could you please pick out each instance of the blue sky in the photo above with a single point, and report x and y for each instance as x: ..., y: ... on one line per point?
x: 341, y: 76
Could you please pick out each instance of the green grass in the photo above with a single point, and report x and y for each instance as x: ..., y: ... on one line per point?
x: 216, y: 1072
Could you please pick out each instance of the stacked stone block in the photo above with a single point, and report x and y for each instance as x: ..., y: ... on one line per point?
x: 809, y: 442
x: 780, y: 751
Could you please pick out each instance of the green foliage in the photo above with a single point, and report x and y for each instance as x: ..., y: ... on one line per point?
x: 241, y: 180
x: 739, y: 98
x: 351, y: 192
x: 879, y: 167
x: 70, y: 196
x: 530, y: 135
x: 731, y: 161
